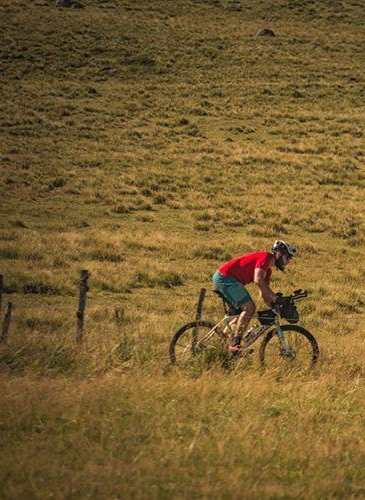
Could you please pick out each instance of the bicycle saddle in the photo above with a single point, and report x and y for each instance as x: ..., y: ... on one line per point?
x: 228, y: 308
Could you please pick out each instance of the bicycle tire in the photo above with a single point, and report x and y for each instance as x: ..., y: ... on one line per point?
x: 314, y: 349
x: 190, y: 349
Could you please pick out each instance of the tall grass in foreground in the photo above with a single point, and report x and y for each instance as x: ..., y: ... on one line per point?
x: 149, y: 142
x: 125, y: 433
x: 111, y: 418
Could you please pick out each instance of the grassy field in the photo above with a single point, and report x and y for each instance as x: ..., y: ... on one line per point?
x: 149, y: 142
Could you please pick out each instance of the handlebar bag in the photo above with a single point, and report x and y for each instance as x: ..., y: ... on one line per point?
x: 289, y: 312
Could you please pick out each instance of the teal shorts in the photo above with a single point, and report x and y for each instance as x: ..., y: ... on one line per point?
x: 232, y: 290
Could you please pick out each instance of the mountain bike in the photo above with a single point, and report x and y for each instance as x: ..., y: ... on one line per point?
x: 290, y: 345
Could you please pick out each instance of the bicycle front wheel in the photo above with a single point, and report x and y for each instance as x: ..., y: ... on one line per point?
x: 303, y: 349
x: 196, y: 339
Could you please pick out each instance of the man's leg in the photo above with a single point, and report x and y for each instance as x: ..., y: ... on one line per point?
x: 248, y: 310
x: 237, y: 296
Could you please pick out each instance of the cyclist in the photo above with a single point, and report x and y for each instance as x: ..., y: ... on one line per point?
x: 232, y: 277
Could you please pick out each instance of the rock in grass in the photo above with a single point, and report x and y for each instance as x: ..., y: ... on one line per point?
x: 63, y: 3
x: 265, y: 32
x: 77, y: 5
x: 69, y: 4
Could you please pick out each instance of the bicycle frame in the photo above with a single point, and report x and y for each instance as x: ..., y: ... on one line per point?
x: 269, y: 321
x: 253, y: 334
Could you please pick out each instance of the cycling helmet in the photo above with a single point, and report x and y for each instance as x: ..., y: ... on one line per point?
x: 286, y: 249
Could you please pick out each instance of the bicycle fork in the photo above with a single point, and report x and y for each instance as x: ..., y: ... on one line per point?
x: 286, y: 350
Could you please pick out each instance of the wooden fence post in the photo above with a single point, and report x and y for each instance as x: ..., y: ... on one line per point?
x: 1, y: 290
x: 198, y: 316
x: 7, y: 319
x: 82, y: 304
x: 119, y: 314
x: 199, y: 306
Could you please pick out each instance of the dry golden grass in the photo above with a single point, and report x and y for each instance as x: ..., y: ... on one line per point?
x: 149, y: 142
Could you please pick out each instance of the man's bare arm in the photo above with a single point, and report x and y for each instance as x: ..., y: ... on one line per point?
x: 266, y: 293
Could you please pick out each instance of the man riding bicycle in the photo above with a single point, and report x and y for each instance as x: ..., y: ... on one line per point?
x: 232, y: 277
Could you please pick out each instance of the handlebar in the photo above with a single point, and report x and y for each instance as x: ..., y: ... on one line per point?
x: 284, y: 306
x: 296, y: 295
x: 299, y: 294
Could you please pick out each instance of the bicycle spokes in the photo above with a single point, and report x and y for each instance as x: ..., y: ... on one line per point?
x: 196, y: 341
x: 297, y: 351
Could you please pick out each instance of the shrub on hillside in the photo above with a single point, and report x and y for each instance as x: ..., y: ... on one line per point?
x: 212, y: 253
x: 165, y: 279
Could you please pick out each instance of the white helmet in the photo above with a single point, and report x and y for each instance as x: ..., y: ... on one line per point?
x: 283, y: 246
x: 286, y: 249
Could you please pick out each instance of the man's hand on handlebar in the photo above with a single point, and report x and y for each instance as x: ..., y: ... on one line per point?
x: 280, y: 301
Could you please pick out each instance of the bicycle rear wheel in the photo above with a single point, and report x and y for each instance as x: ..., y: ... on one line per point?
x: 196, y: 339
x: 303, y: 349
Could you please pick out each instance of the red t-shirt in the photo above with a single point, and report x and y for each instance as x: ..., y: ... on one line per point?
x: 243, y: 268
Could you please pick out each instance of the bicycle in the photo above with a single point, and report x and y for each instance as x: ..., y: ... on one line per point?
x: 289, y: 344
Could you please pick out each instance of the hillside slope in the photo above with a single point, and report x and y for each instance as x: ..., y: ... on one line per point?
x: 150, y: 141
